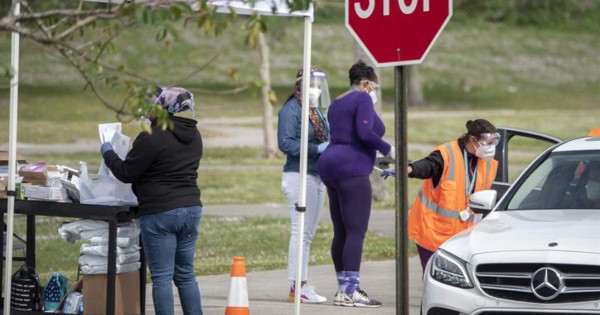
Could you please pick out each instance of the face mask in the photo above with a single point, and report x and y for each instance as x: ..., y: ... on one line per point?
x: 592, y: 188
x: 486, y: 152
x: 373, y: 96
x: 313, y: 97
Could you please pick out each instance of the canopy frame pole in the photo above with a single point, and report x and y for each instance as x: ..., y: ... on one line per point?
x: 12, y: 157
x: 301, y: 206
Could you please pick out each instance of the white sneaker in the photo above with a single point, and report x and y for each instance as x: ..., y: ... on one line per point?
x: 342, y: 299
x: 307, y: 295
x: 361, y: 299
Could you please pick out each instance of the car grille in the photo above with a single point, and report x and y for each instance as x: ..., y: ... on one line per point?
x: 540, y: 283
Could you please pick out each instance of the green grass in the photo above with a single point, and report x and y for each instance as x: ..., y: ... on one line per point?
x: 263, y: 241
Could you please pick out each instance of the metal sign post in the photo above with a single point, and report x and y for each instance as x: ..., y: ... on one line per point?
x: 400, y: 122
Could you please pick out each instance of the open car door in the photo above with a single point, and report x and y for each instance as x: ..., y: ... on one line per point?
x: 525, y: 146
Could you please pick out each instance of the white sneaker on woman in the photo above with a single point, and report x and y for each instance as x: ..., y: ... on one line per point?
x: 307, y: 295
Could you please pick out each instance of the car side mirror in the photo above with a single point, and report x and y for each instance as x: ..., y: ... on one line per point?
x: 482, y: 202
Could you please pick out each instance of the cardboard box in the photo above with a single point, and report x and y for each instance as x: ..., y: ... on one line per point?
x: 127, y: 294
x: 35, y: 178
x: 4, y: 158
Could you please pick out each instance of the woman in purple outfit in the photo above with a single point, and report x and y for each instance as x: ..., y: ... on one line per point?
x: 355, y: 135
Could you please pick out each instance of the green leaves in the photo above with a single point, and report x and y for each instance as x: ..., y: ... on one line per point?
x: 254, y: 26
x: 6, y: 71
x: 84, y: 35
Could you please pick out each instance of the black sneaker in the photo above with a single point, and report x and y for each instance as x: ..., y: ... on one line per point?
x: 361, y: 299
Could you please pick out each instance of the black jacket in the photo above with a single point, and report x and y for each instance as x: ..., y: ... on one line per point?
x: 432, y: 166
x: 162, y: 166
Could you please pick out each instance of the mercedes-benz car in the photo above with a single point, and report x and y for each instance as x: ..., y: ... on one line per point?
x: 536, y: 250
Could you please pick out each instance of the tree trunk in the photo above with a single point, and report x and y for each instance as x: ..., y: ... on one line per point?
x: 381, y: 189
x: 270, y: 141
x: 415, y: 88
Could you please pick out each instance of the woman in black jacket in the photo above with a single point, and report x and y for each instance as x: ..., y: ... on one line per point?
x: 162, y: 168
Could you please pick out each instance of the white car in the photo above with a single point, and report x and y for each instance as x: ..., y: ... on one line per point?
x: 536, y: 252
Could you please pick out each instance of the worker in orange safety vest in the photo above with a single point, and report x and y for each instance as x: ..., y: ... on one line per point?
x: 451, y: 173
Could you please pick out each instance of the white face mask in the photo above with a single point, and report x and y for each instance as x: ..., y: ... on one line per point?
x: 373, y: 96
x: 313, y: 97
x: 592, y: 188
x: 486, y: 152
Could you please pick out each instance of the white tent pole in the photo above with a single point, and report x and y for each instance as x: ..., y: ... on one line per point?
x: 301, y: 207
x: 12, y: 158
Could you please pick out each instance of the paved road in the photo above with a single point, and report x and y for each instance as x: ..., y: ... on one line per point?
x: 267, y: 291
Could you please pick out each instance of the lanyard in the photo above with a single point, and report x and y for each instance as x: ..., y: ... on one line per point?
x: 469, y: 182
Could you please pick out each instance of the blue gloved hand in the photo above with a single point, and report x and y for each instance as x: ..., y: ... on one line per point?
x: 321, y: 147
x: 388, y: 172
x: 106, y: 146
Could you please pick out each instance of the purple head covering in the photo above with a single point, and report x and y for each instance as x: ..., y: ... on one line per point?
x: 175, y: 100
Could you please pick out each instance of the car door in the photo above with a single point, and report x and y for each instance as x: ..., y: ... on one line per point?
x: 516, y: 149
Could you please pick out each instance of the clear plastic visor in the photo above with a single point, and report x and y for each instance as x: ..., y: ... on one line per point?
x: 319, y: 80
x: 489, y: 138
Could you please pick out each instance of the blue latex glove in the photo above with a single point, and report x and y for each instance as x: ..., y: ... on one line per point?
x: 321, y: 147
x: 388, y: 172
x: 106, y: 146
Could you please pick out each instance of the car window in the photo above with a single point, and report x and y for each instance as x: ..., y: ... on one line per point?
x: 562, y: 181
x: 515, y: 151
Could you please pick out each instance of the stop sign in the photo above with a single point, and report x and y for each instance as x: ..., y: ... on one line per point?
x: 397, y: 32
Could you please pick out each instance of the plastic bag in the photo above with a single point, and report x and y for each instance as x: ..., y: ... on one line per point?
x: 104, y: 190
x: 73, y: 303
x: 54, y: 291
x: 25, y: 291
x: 120, y: 144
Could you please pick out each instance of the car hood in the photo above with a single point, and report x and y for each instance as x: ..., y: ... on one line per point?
x: 529, y: 230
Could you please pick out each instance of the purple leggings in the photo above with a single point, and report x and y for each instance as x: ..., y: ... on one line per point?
x: 350, y: 207
x: 424, y: 255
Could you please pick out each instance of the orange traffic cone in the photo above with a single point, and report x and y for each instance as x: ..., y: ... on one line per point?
x: 237, y: 301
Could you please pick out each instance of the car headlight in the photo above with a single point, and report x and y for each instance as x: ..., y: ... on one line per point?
x: 449, y: 269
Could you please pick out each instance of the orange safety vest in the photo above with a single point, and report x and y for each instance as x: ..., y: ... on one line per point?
x: 594, y: 132
x: 435, y: 215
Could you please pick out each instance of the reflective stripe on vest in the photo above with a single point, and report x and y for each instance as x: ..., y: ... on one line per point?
x: 451, y: 162
x: 446, y: 213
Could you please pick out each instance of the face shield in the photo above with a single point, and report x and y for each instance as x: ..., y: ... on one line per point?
x: 318, y: 91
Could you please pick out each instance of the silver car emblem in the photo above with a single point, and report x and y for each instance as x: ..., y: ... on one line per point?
x: 547, y: 283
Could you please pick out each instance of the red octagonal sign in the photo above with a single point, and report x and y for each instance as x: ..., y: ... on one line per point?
x: 397, y: 32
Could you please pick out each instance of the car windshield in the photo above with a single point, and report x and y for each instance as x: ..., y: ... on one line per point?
x: 563, y: 181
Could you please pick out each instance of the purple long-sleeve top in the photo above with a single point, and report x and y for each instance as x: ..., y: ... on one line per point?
x: 356, y: 133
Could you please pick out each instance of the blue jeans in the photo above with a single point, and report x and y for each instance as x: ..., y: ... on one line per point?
x: 169, y: 241
x: 315, y: 199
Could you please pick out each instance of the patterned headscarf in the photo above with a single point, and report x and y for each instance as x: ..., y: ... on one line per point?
x: 175, y: 100
x: 316, y: 121
x: 298, y: 86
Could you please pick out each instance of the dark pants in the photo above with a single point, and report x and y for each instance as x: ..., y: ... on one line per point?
x: 350, y: 207
x: 424, y: 254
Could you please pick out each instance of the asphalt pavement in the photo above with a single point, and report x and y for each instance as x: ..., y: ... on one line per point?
x: 268, y: 290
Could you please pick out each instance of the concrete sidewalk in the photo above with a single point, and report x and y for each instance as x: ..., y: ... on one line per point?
x: 267, y: 291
